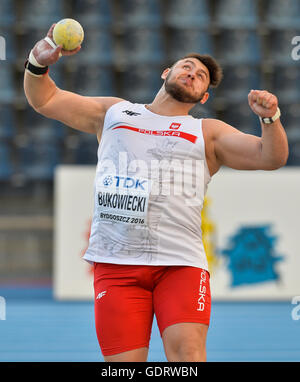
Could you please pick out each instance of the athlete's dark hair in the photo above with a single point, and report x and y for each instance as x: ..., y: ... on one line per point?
x: 214, y: 69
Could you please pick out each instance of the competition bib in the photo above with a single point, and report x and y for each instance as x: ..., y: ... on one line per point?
x: 122, y: 199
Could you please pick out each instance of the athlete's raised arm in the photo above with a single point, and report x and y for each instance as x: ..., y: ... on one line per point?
x: 242, y: 151
x: 74, y: 110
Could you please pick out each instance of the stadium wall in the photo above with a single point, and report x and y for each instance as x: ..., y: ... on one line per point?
x: 250, y: 232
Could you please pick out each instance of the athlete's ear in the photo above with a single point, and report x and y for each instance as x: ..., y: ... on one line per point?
x: 204, y: 98
x: 165, y: 73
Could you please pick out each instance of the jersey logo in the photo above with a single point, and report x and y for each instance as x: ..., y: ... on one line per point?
x: 124, y: 182
x: 131, y: 113
x: 174, y: 126
x: 161, y: 133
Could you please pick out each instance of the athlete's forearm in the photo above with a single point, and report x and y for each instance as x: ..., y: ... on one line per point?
x: 38, y: 90
x: 275, y: 148
x: 274, y: 143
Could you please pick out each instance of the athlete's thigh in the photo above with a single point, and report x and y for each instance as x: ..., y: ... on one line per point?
x: 185, y: 342
x: 123, y: 310
x: 182, y: 305
x: 182, y: 295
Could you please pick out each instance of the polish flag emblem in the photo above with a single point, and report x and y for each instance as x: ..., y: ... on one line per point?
x: 175, y: 126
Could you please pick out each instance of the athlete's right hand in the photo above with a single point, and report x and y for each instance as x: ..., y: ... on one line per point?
x: 46, y: 55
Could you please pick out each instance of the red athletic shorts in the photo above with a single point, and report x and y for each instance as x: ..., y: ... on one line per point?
x: 127, y: 296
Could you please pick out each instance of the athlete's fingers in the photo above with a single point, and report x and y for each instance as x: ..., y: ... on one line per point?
x: 262, y: 97
x: 252, y: 97
x: 57, y: 52
x: 50, y: 31
x: 268, y: 100
x: 70, y: 52
x: 265, y: 100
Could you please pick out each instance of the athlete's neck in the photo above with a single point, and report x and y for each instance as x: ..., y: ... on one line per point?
x: 164, y: 104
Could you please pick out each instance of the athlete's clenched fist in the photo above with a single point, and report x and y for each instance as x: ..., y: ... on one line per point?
x: 263, y: 103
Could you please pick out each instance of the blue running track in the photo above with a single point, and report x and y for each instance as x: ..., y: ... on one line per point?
x: 39, y: 329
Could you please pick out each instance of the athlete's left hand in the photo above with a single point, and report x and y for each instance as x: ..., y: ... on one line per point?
x: 263, y: 103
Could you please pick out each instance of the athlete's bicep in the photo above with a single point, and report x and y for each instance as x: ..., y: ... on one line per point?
x: 79, y: 112
x: 236, y: 149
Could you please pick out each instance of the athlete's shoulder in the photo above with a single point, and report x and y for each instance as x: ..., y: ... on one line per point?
x: 214, y: 127
x: 112, y: 104
x: 108, y: 102
x: 210, y: 126
x: 212, y: 122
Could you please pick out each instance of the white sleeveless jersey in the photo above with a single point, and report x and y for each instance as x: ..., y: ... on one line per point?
x: 149, y: 189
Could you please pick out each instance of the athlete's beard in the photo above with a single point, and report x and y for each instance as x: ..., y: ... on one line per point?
x: 179, y: 93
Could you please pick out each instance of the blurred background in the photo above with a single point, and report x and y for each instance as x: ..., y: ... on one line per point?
x: 127, y: 45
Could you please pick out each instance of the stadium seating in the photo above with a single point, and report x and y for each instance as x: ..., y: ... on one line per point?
x: 279, y: 46
x: 240, y: 116
x: 137, y: 13
x: 142, y: 46
x: 238, y: 80
x: 284, y: 83
x: 7, y: 122
x: 282, y: 14
x: 7, y: 81
x: 290, y: 118
x: 7, y: 13
x: 92, y: 13
x: 83, y: 148
x: 41, y: 128
x: 183, y: 41
x: 294, y: 154
x: 6, y: 163
x: 8, y: 44
x: 238, y: 47
x: 235, y: 14
x: 97, y: 47
x: 42, y: 13
x: 38, y: 158
x: 140, y: 84
x: 203, y: 111
x: 188, y: 14
x: 99, y: 81
x: 127, y: 44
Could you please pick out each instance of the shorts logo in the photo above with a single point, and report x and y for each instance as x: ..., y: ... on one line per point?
x: 175, y: 126
x: 101, y: 294
x: 202, y: 291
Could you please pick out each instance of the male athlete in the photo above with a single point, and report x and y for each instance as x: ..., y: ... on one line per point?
x: 145, y: 244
